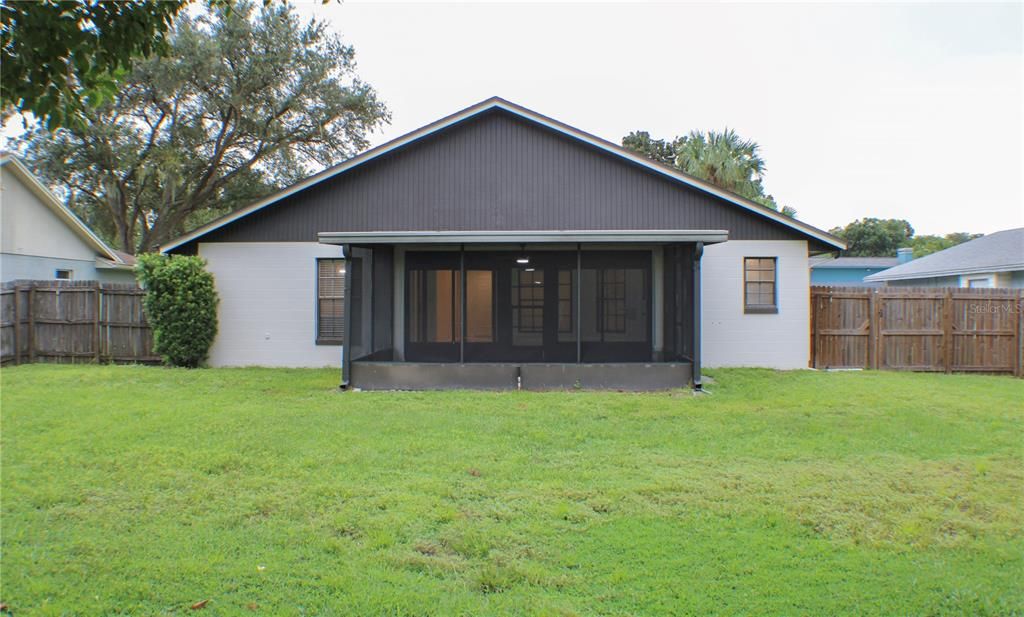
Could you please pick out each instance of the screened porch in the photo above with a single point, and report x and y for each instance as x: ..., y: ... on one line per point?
x: 530, y: 315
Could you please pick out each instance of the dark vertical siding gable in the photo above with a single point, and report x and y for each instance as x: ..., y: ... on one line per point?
x: 496, y: 171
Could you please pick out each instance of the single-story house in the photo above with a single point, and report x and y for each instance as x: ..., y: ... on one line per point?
x: 498, y: 247
x: 850, y: 271
x: 995, y: 260
x: 41, y: 239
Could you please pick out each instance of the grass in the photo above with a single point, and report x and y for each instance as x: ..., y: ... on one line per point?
x: 132, y: 490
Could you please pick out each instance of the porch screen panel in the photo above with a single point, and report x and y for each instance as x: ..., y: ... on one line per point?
x: 528, y: 306
x: 480, y: 306
x: 615, y: 302
x: 360, y: 269
x: 383, y: 303
x: 566, y: 305
x: 678, y: 295
x: 435, y: 301
x: 433, y: 306
x: 616, y: 305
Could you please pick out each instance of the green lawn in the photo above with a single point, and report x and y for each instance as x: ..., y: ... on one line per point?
x: 132, y: 490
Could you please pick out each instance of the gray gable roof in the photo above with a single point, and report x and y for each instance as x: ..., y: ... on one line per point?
x: 497, y: 166
x: 1002, y: 251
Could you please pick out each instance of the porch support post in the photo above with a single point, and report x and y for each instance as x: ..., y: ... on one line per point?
x: 698, y: 252
x: 579, y: 302
x: 462, y: 304
x: 346, y: 356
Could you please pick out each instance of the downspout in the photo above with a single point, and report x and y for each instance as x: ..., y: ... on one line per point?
x: 698, y: 252
x: 346, y: 357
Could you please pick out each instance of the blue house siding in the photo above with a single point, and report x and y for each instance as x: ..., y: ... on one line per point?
x: 843, y: 276
x: 850, y: 271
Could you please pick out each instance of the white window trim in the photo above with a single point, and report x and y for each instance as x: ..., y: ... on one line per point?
x: 989, y: 279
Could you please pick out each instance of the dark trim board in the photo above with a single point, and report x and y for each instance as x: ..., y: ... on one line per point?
x: 528, y: 376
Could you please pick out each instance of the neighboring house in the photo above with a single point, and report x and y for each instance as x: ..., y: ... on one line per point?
x: 41, y: 239
x: 995, y: 260
x: 574, y: 261
x: 850, y: 271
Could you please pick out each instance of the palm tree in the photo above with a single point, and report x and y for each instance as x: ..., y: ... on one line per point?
x: 724, y: 159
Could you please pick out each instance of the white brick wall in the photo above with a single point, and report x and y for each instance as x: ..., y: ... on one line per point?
x: 733, y: 338
x: 267, y: 314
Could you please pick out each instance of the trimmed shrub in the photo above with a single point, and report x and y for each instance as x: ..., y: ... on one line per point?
x: 180, y: 305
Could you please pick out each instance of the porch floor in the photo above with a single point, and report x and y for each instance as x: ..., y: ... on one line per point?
x: 634, y: 376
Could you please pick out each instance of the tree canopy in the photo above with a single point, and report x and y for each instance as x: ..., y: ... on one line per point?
x: 244, y: 102
x: 722, y: 158
x: 872, y: 237
x: 61, y: 56
x: 926, y: 245
x: 659, y: 150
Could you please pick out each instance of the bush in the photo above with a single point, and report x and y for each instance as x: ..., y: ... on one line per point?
x: 180, y: 305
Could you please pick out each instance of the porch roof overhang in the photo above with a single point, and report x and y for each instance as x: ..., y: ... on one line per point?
x: 707, y: 236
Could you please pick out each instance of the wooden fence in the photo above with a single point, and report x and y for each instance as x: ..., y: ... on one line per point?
x: 918, y: 329
x: 73, y: 321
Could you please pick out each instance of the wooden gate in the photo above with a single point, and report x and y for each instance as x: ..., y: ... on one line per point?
x: 917, y: 329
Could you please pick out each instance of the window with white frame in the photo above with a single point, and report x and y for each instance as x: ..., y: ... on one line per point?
x: 760, y: 294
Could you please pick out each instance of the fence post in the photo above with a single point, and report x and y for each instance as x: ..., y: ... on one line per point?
x: 814, y: 329
x: 17, y: 326
x: 96, y: 320
x: 873, y: 317
x: 1019, y: 333
x: 947, y: 330
x: 31, y: 323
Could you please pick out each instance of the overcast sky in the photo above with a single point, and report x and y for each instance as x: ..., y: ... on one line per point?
x: 896, y: 111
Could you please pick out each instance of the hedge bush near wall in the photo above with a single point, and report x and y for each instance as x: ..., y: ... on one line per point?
x: 181, y: 307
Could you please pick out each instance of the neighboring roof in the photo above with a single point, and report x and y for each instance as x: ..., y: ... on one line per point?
x: 127, y: 261
x: 116, y: 258
x: 1002, y: 251
x: 126, y: 258
x: 522, y: 112
x: 855, y: 262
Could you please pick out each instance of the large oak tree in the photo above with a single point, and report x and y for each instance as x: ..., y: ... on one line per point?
x: 244, y: 102
x: 60, y: 56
